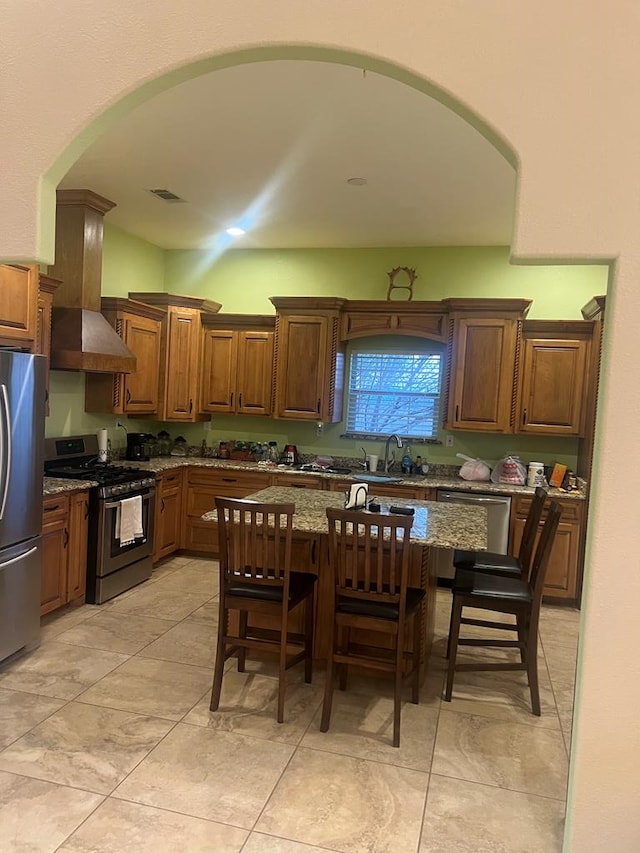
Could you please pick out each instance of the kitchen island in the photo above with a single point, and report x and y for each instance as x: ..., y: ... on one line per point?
x: 436, y: 525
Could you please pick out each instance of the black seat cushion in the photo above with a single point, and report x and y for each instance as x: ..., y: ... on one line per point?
x: 300, y: 584
x: 487, y: 561
x: 380, y: 609
x: 491, y: 586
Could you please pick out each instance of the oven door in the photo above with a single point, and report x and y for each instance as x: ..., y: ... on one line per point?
x: 112, y: 555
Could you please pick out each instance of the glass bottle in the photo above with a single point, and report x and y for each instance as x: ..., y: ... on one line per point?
x: 273, y: 454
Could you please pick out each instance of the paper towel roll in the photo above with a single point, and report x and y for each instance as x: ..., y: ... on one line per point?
x: 103, y: 445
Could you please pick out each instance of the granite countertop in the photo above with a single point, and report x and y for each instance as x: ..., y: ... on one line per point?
x: 430, y: 481
x: 58, y: 485
x: 436, y: 524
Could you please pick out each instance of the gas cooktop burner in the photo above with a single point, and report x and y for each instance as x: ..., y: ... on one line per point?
x: 103, y: 474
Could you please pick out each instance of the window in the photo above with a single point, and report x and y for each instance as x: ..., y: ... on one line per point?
x: 394, y: 392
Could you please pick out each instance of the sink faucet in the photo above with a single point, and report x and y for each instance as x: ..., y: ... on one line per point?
x: 388, y: 463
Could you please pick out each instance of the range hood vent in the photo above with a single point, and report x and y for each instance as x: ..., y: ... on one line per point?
x: 81, y: 338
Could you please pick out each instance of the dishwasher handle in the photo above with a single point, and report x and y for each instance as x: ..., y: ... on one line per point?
x: 447, y: 497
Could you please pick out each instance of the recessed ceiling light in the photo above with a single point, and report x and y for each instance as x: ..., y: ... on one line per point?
x: 235, y: 232
x: 356, y: 182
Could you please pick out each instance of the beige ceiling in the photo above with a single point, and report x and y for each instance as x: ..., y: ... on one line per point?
x: 272, y: 144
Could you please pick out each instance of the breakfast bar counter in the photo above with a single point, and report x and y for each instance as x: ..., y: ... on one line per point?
x: 435, y: 525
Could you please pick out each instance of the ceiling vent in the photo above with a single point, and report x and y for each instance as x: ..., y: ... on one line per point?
x: 167, y: 195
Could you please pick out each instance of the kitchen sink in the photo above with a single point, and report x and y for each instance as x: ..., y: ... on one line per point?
x: 376, y: 478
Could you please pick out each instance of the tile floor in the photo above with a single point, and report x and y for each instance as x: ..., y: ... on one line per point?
x: 107, y: 743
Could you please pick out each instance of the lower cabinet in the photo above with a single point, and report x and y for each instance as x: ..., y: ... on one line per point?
x: 201, y: 487
x: 168, y: 520
x: 64, y: 550
x: 393, y: 490
x: 563, y: 580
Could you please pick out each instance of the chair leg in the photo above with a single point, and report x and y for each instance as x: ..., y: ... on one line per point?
x: 218, y: 669
x: 532, y: 666
x: 454, y: 633
x: 282, y: 667
x: 521, y: 622
x: 397, y: 688
x: 308, y: 639
x: 344, y: 645
x: 448, y: 654
x: 242, y: 653
x: 417, y: 637
x: 328, y: 685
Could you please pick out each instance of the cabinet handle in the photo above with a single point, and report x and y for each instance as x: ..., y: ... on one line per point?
x: 457, y: 413
x: 313, y: 553
x: 51, y: 508
x: 240, y: 401
x: 86, y: 509
x: 190, y: 405
x: 66, y: 538
x: 231, y: 400
x: 128, y: 396
x: 229, y: 480
x: 171, y: 479
x: 524, y: 417
x: 161, y: 504
x: 318, y: 406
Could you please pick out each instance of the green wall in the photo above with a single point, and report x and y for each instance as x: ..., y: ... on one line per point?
x: 243, y: 280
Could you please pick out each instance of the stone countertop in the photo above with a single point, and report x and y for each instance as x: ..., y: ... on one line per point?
x: 58, y: 485
x: 160, y: 464
x: 436, y: 524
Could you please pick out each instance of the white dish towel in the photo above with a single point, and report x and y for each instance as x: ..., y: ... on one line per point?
x: 129, y: 520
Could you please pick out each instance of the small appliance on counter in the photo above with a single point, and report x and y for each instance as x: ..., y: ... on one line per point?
x: 136, y: 445
x: 289, y: 455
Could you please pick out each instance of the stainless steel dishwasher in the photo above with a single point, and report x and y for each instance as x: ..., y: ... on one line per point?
x: 498, y: 511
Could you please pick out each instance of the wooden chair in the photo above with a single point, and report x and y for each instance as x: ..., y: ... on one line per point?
x: 522, y: 598
x: 508, y: 565
x: 369, y: 555
x: 255, y: 577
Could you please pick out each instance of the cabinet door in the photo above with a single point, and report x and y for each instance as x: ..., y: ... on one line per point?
x: 483, y: 369
x: 553, y: 387
x: 181, y: 364
x: 219, y: 370
x: 255, y: 373
x: 301, y: 367
x: 18, y: 304
x: 55, y: 542
x: 168, y: 524
x: 77, y: 556
x: 142, y: 336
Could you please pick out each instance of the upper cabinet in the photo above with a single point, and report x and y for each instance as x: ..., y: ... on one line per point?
x: 18, y: 305
x: 136, y: 393
x: 484, y: 336
x: 46, y: 288
x: 309, y: 359
x: 554, y: 377
x: 237, y: 364
x: 179, y: 376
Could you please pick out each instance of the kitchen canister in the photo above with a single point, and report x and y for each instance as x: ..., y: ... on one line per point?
x: 535, y: 474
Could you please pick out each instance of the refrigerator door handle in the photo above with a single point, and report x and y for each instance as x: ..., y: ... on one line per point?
x: 19, y: 557
x: 5, y: 448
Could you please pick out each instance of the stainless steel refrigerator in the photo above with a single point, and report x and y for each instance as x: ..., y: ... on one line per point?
x: 22, y: 390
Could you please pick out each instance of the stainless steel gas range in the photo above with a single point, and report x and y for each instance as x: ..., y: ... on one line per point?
x: 121, y: 515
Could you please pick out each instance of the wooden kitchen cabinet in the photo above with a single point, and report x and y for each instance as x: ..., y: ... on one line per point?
x: 18, y: 305
x: 179, y: 374
x: 201, y: 488
x: 168, y: 513
x: 136, y: 393
x: 563, y: 581
x: 309, y: 359
x: 237, y: 366
x: 554, y: 378
x: 64, y: 550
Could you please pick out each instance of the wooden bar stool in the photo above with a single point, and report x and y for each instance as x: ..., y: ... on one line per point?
x: 256, y: 577
x: 522, y: 598
x: 369, y: 555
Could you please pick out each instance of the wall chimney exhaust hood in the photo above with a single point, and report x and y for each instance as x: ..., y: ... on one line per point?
x: 81, y: 338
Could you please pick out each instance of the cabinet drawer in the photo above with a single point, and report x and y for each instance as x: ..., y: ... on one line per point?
x: 571, y: 509
x: 54, y: 508
x: 217, y: 479
x: 297, y: 481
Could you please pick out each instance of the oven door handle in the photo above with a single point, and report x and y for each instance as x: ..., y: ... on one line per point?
x: 116, y: 504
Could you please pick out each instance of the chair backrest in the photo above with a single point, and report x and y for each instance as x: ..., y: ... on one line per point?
x: 254, y: 541
x: 543, y: 552
x: 369, y: 553
x: 530, y: 529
